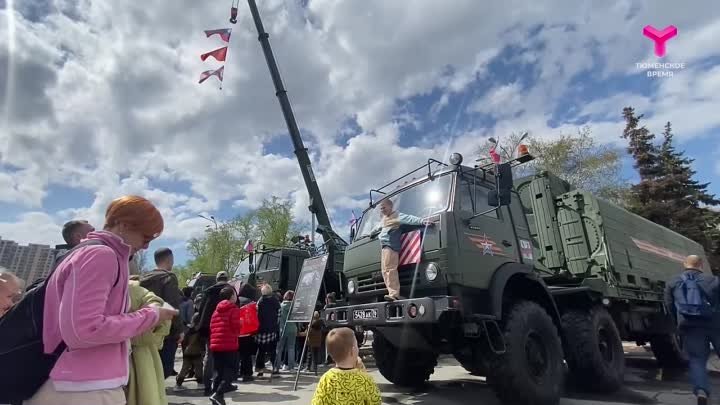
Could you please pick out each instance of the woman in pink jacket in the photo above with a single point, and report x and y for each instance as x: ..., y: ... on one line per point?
x: 86, y: 306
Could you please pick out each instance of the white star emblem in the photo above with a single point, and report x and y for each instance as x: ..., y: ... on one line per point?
x: 487, y: 246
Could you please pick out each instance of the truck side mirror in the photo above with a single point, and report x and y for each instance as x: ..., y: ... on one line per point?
x: 352, y: 233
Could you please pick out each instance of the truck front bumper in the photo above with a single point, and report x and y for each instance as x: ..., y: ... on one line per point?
x: 409, y: 311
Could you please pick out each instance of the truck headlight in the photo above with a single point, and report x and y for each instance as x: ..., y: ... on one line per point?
x: 351, y: 287
x: 431, y: 271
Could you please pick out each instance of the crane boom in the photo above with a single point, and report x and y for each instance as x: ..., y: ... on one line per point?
x: 317, y: 205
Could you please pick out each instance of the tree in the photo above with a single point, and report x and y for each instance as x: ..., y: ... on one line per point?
x: 142, y: 261
x: 222, y: 249
x: 577, y: 159
x: 646, y: 155
x: 139, y: 264
x: 667, y: 193
x: 274, y: 222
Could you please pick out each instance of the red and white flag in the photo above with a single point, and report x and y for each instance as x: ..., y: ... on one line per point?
x: 218, y: 54
x: 223, y: 32
x: 410, y: 248
x: 495, y: 156
x: 206, y: 74
x: 248, y: 246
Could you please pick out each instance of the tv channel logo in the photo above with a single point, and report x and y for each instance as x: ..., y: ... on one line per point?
x: 660, y: 37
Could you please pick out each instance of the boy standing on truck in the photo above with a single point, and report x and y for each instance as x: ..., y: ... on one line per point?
x: 693, y: 299
x: 390, y: 231
x: 346, y: 383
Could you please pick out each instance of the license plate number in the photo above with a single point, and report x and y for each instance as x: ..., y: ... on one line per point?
x: 364, y: 314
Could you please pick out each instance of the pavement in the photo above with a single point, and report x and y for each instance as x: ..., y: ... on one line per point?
x: 452, y: 385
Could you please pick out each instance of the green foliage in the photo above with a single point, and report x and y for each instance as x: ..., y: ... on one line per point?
x: 576, y: 158
x: 274, y: 222
x: 222, y: 249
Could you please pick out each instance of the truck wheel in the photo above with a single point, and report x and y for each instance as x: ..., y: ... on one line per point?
x: 668, y: 351
x: 594, y: 353
x: 531, y: 370
x: 407, y: 368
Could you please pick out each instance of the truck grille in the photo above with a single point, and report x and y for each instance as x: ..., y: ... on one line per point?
x: 374, y: 282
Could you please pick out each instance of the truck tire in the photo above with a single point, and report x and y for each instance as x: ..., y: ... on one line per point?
x: 668, y: 351
x: 594, y: 350
x: 406, y: 368
x: 531, y: 371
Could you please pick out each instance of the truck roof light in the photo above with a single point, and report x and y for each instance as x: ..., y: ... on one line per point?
x: 523, y: 150
x: 456, y: 159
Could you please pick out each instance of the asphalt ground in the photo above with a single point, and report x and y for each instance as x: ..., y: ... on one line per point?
x: 645, y: 383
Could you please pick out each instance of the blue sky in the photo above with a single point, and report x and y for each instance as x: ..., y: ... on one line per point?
x: 113, y: 105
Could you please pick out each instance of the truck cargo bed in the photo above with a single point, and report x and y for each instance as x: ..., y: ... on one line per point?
x: 578, y: 236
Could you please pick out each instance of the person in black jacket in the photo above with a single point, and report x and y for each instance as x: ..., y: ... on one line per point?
x: 164, y: 283
x: 267, y: 337
x: 210, y: 300
x: 248, y: 347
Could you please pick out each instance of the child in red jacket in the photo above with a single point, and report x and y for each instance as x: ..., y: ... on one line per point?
x: 225, y: 326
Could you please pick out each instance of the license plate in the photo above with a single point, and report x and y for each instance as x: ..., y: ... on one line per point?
x: 365, y: 314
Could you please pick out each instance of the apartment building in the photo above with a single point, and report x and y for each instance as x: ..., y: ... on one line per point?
x: 27, y: 262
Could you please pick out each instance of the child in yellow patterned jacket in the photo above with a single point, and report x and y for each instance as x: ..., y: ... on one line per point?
x: 345, y: 384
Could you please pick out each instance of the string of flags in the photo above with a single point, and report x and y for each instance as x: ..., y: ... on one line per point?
x: 219, y: 54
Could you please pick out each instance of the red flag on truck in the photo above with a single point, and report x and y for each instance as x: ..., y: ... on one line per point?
x: 410, y: 248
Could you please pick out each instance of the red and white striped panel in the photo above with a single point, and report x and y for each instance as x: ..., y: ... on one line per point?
x: 411, y: 248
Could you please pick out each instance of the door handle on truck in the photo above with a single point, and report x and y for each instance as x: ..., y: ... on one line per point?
x: 506, y: 243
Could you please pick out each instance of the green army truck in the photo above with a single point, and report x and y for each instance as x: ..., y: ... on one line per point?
x: 523, y: 283
x: 280, y: 268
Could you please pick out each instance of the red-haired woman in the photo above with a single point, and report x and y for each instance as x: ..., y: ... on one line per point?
x: 86, y: 307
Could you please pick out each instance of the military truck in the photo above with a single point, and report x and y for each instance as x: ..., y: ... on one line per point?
x: 520, y: 283
x: 280, y: 268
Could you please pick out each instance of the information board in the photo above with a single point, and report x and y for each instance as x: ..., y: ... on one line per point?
x: 308, y: 288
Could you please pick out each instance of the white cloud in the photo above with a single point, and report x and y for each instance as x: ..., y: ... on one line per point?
x: 33, y: 226
x: 104, y: 97
x: 501, y: 102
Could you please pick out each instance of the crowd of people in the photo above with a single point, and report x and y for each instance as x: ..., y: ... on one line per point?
x: 96, y: 313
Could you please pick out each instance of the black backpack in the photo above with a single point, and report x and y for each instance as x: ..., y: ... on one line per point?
x: 210, y: 301
x: 25, y: 366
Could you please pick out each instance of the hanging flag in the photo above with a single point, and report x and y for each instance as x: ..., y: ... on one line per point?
x: 218, y: 54
x: 495, y: 156
x: 223, y: 32
x: 206, y: 74
x: 410, y: 248
x: 353, y: 220
x: 248, y: 246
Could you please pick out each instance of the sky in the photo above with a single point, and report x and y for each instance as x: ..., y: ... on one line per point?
x: 99, y: 99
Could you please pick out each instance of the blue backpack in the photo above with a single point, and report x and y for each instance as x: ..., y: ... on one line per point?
x: 691, y: 301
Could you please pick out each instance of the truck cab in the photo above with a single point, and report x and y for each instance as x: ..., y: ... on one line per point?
x: 280, y: 268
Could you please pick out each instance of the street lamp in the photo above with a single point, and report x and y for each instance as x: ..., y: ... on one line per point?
x: 211, y: 219
x: 212, y: 255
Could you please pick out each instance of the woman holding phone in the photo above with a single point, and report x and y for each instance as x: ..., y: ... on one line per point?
x: 86, y: 307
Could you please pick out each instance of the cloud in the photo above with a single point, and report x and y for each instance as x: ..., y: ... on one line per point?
x: 33, y: 226
x: 114, y: 105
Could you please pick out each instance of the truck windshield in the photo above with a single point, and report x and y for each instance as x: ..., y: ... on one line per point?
x: 269, y: 261
x: 243, y: 268
x: 421, y: 201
